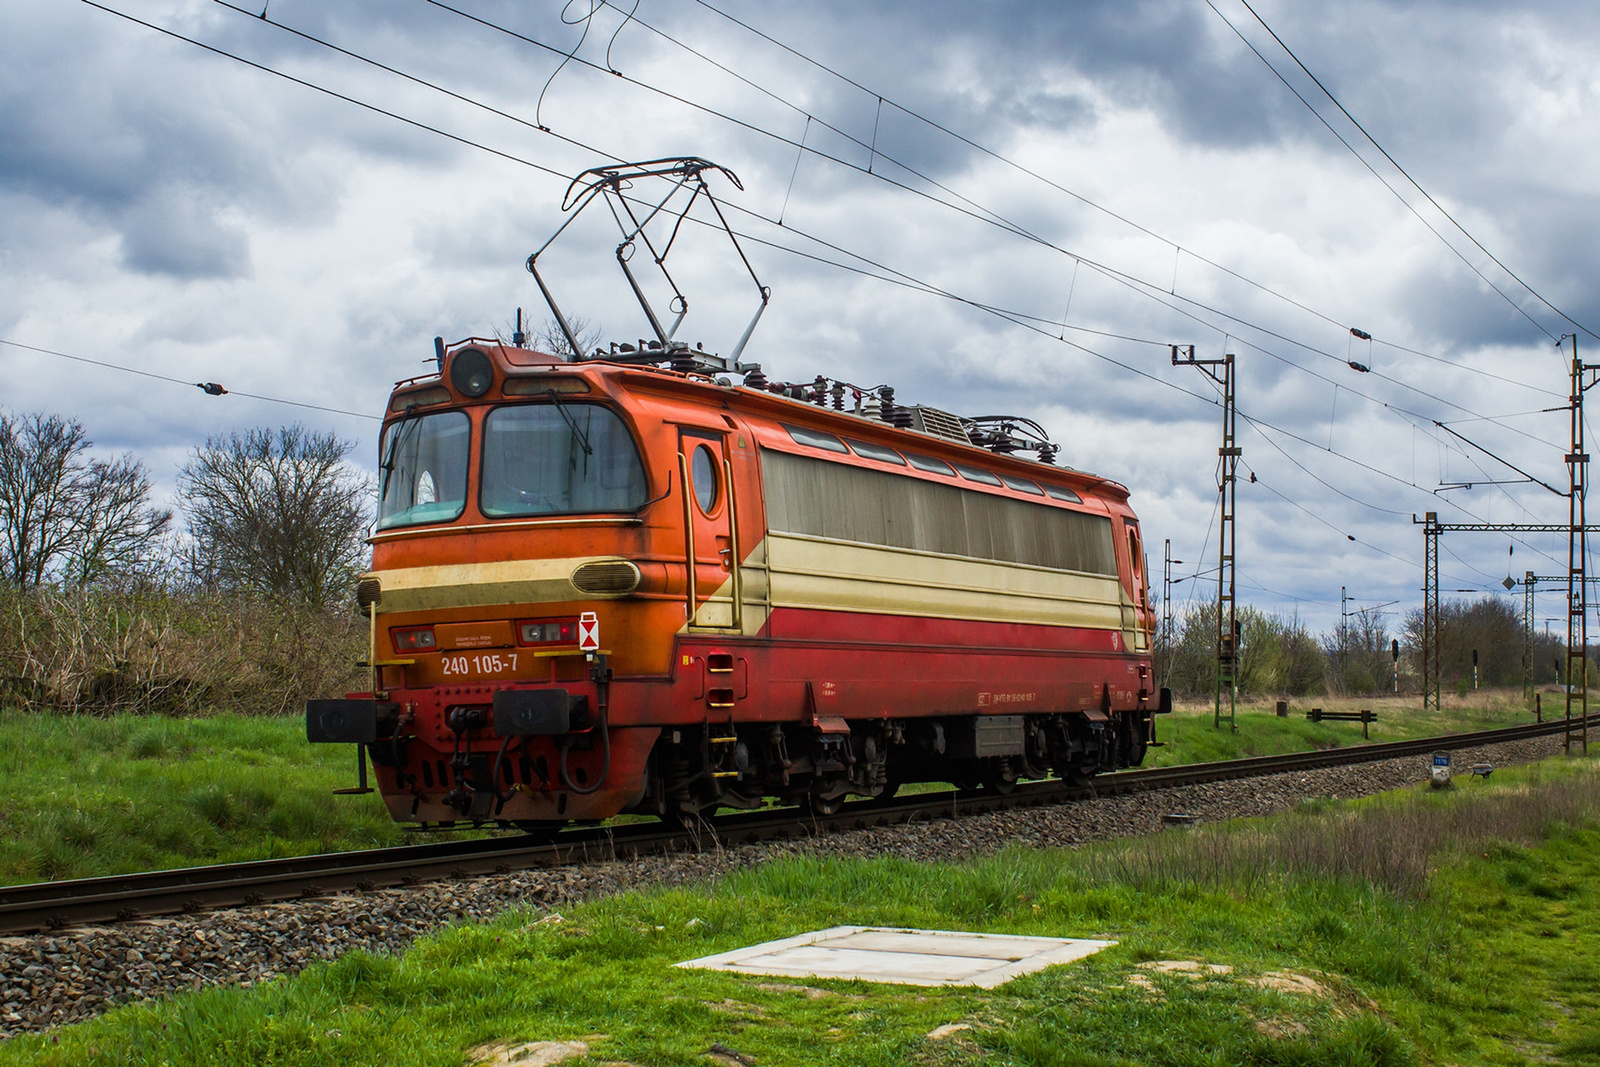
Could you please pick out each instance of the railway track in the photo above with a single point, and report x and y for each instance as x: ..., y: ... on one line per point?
x: 53, y: 905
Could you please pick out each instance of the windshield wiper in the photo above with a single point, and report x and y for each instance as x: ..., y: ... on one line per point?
x: 561, y: 406
x: 387, y: 466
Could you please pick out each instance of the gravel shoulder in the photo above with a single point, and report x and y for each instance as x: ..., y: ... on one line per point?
x: 49, y: 981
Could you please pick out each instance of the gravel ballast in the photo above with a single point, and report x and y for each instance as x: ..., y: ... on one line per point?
x: 51, y: 980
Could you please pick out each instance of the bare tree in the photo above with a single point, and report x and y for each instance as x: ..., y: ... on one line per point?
x: 65, y: 514
x: 549, y: 338
x: 280, y: 513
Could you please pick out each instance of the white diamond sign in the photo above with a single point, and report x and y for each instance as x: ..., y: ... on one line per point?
x: 589, y: 632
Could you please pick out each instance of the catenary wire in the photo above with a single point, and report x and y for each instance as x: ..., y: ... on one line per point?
x: 1374, y: 171
x: 1406, y: 174
x: 975, y: 211
x: 926, y: 286
x: 1021, y: 168
x: 185, y: 384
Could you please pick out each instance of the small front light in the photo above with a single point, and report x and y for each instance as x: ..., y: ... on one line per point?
x: 416, y: 639
x: 471, y: 372
x: 554, y: 632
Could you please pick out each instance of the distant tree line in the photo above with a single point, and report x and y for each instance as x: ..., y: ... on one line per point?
x: 1279, y: 656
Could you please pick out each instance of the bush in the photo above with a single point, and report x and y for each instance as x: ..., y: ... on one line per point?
x: 146, y: 650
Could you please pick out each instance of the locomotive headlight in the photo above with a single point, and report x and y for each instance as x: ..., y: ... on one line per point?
x: 471, y: 372
x: 416, y: 639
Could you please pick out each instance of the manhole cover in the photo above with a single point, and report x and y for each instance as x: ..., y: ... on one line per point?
x: 904, y: 957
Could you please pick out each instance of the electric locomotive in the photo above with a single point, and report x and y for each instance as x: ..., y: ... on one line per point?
x: 627, y: 582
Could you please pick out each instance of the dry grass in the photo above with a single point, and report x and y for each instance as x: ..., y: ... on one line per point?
x: 1384, y: 843
x: 144, y: 650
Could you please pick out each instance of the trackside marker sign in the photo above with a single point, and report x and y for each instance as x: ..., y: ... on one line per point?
x: 589, y: 632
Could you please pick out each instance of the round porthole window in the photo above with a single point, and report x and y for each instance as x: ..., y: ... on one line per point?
x: 703, y: 471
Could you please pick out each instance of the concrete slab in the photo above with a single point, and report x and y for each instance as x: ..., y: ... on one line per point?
x: 903, y: 957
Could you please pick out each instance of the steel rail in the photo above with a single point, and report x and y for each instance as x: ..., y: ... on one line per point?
x: 114, y: 898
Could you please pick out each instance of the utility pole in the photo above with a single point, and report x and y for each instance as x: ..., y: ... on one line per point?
x: 1578, y: 558
x: 1166, y: 610
x: 1529, y: 581
x: 1344, y: 633
x: 1227, y: 542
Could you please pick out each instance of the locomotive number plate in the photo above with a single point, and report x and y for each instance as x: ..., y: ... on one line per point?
x: 478, y: 664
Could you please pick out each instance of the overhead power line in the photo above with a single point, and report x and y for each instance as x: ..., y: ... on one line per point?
x: 209, y: 388
x: 982, y: 214
x: 893, y: 276
x: 1515, y: 305
x: 1036, y: 175
x: 1405, y: 173
x: 967, y: 206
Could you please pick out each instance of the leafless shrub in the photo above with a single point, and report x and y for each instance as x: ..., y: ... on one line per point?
x: 67, y: 516
x: 278, y: 515
x: 549, y: 338
x: 146, y: 649
x: 1390, y: 845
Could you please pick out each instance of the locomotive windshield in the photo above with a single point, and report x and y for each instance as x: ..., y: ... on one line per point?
x: 423, y: 470
x: 545, y: 459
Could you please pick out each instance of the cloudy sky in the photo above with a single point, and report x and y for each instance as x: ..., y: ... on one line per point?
x: 1115, y: 177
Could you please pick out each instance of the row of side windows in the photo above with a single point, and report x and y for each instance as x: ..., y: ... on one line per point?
x: 820, y: 498
x: 928, y: 464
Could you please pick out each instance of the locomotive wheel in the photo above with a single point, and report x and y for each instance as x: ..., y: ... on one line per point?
x: 889, y: 790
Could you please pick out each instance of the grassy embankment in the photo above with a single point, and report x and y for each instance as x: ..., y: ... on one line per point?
x: 1191, y: 737
x: 1408, y: 929
x: 83, y: 796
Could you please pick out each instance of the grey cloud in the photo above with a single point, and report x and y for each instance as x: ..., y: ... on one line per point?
x: 173, y: 232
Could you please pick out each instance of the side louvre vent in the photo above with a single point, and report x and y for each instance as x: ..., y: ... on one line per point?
x: 606, y: 577
x: 939, y: 424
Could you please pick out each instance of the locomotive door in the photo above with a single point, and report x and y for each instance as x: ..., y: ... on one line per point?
x: 711, y: 530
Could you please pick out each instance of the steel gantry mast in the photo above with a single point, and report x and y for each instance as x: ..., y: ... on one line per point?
x: 1530, y: 584
x: 1430, y: 610
x: 1432, y: 528
x: 1227, y: 541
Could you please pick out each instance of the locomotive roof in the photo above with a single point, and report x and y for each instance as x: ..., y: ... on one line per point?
x: 622, y: 377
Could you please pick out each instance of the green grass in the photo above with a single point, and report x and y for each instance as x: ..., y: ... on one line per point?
x: 1189, y: 735
x: 83, y: 796
x: 1493, y: 958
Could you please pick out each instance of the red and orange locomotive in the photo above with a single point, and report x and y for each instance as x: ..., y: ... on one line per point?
x: 625, y: 584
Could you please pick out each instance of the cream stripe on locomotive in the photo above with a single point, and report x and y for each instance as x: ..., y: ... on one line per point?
x: 471, y: 585
x: 810, y: 572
